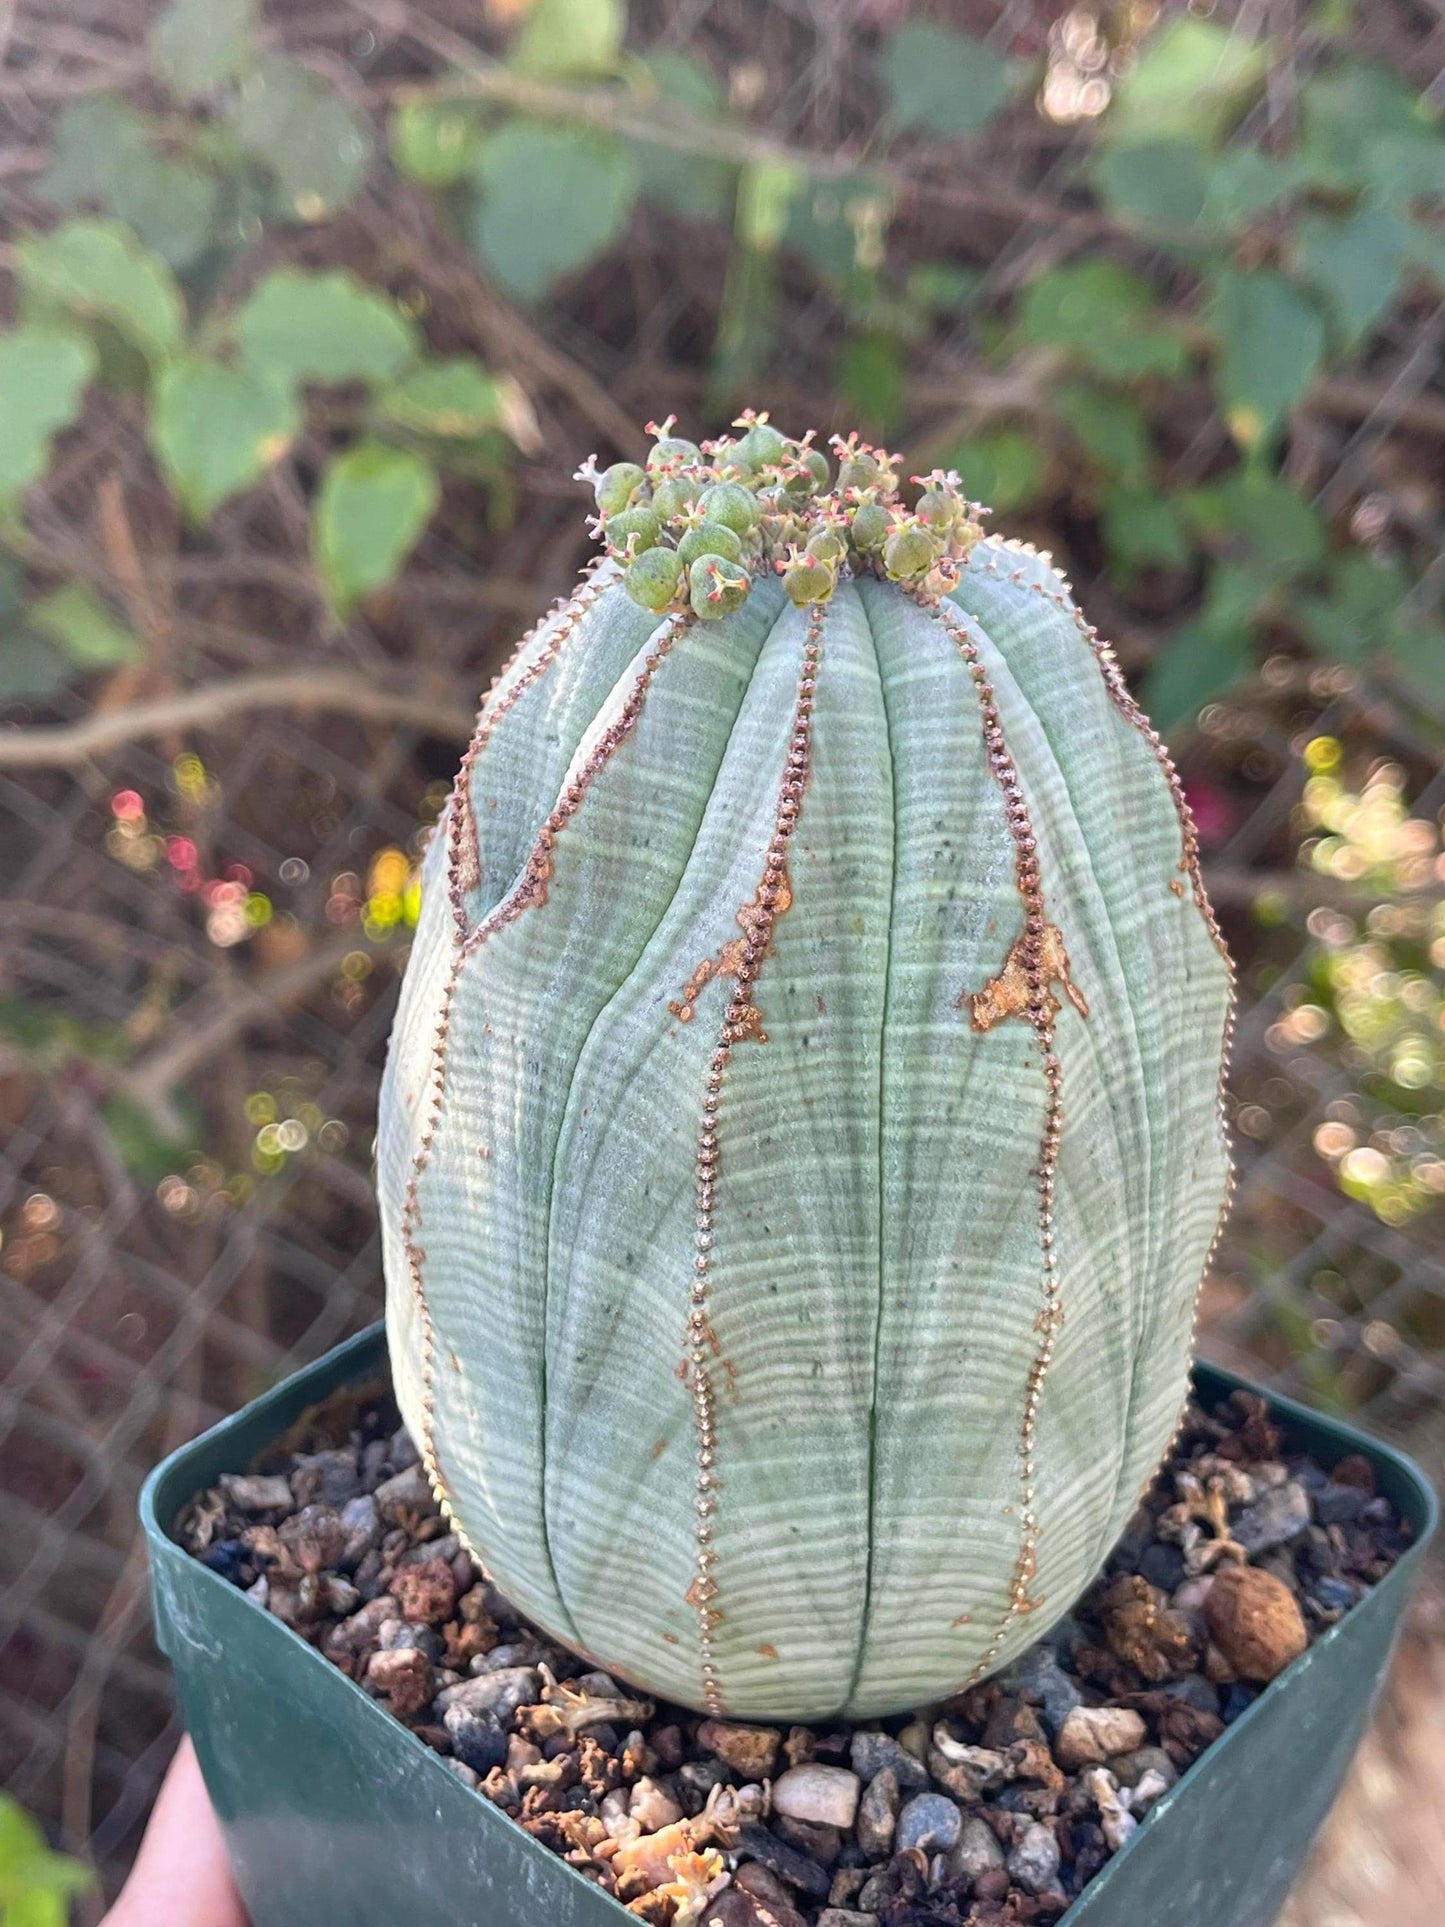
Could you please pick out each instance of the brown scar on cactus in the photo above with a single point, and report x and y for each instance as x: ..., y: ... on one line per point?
x: 752, y: 918
x: 1007, y: 994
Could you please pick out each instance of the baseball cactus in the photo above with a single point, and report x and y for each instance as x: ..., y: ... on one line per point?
x: 801, y: 1140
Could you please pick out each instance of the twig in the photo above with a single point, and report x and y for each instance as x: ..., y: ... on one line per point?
x: 72, y: 743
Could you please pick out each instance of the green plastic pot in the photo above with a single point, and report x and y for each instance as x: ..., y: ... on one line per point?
x: 336, y: 1816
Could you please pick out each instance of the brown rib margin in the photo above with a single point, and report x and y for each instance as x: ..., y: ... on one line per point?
x: 703, y: 1591
x: 529, y: 890
x: 1040, y: 1012
x: 464, y: 861
x: 1062, y: 598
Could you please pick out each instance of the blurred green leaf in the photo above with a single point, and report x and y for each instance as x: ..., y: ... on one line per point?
x: 1418, y: 657
x: 1112, y: 430
x: 943, y: 81
x: 1271, y: 342
x: 434, y: 141
x: 1354, y: 615
x: 839, y: 226
x: 1264, y: 518
x: 455, y: 398
x: 1191, y: 80
x: 1357, y: 263
x: 147, y: 1151
x: 196, y: 44
x: 551, y: 199
x: 100, y: 271
x: 1103, y: 315
x: 1162, y: 183
x: 1364, y: 126
x: 42, y: 379
x: 1244, y: 181
x: 35, y: 1883
x: 78, y: 622
x: 317, y: 147
x: 102, y: 154
x: 1142, y: 529
x: 1193, y: 667
x: 750, y: 281
x: 1003, y: 468
x: 217, y: 429
x: 330, y: 327
x: 941, y: 286
x: 690, y: 185
x: 872, y: 380
x: 372, y: 507
x: 569, y: 37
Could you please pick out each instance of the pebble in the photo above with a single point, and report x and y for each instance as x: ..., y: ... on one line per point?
x: 1281, y: 1515
x: 1037, y: 1674
x: 1034, y: 1861
x: 799, y: 1869
x: 1092, y: 1734
x: 1339, y: 1505
x: 1163, y: 1566
x: 1255, y: 1621
x: 477, y: 1738
x: 499, y: 1694
x: 256, y: 1491
x: 749, y: 1750
x: 872, y: 1752
x: 845, y: 1917
x: 929, y: 1821
x: 406, y: 1678
x: 976, y: 1850
x: 426, y: 1591
x: 1333, y: 1595
x: 407, y: 1493
x: 1129, y: 1768
x: 825, y: 1795
x: 878, y: 1814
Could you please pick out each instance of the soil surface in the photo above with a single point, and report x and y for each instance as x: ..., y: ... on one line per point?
x: 997, y: 1805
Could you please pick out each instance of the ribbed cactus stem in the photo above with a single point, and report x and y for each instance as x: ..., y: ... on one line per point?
x: 802, y: 1136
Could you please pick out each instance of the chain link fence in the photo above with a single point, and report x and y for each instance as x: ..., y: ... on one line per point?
x: 206, y: 901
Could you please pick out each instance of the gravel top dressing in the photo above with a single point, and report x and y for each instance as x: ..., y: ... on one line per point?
x: 998, y: 1805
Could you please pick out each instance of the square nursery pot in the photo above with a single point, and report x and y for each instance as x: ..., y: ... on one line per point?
x: 336, y: 1816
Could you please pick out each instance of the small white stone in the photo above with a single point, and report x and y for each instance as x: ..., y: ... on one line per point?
x: 827, y: 1796
x: 1092, y: 1734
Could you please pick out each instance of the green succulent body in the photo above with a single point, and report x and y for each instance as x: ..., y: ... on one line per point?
x: 801, y: 1140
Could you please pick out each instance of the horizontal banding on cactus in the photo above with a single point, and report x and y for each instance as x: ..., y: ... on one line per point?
x: 801, y: 1138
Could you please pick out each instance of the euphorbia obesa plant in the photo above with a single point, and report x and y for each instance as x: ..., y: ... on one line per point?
x: 801, y: 1142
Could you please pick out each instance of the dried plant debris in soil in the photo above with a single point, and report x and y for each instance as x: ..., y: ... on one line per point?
x: 997, y: 1805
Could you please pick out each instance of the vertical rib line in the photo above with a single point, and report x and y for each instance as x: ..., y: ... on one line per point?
x: 1040, y: 1013
x: 529, y: 890
x: 703, y: 1591
x: 1132, y: 712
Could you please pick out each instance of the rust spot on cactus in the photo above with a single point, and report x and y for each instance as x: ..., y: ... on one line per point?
x: 768, y: 1650
x: 1176, y: 886
x: 1007, y: 994
x: 658, y: 1449
x: 756, y: 920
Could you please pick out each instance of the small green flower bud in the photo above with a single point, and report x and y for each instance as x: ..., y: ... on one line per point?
x: 616, y: 486
x: 674, y: 497
x: 732, y: 504
x: 716, y: 586
x: 709, y: 538
x: 939, y: 508
x: 870, y: 526
x: 653, y: 579
x: 808, y: 578
x: 671, y: 453
x: 826, y: 542
x: 639, y: 526
x: 857, y: 470
x: 909, y: 552
x: 816, y: 463
x: 761, y: 446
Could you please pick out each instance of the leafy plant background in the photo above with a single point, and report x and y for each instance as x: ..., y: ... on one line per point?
x: 310, y: 313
